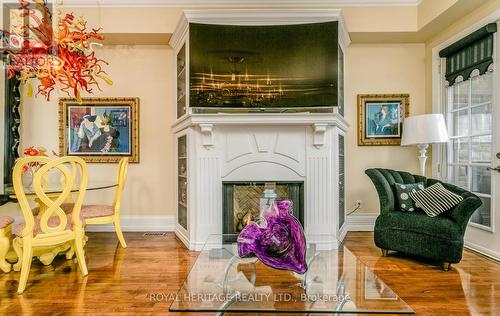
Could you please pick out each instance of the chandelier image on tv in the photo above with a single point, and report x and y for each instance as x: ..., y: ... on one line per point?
x: 243, y: 89
x: 278, y: 66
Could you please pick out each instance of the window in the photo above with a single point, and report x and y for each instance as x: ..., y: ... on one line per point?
x: 469, y: 151
x: 469, y: 100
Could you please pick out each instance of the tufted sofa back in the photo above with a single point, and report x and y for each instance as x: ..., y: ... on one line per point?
x: 384, y: 180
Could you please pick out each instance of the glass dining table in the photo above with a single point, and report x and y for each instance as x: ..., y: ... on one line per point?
x: 55, y: 188
x: 52, y: 189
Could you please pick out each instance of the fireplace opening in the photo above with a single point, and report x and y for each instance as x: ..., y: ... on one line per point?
x: 243, y: 201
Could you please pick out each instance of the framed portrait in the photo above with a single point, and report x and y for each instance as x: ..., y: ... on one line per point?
x: 99, y: 129
x: 380, y: 118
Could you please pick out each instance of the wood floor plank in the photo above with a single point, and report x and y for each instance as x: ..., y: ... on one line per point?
x: 142, y: 278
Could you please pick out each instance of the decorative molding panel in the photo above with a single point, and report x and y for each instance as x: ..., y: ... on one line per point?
x: 238, y: 145
x: 207, y: 199
x: 264, y: 141
x: 319, y: 209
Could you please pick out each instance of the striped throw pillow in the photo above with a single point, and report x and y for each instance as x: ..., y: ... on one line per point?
x: 435, y: 199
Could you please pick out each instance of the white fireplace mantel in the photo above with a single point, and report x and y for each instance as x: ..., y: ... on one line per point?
x: 281, y: 119
x: 206, y: 122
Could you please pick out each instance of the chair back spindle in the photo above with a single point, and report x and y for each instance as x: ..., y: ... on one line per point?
x: 122, y: 177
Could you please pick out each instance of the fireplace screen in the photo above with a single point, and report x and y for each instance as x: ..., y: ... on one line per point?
x: 242, y: 201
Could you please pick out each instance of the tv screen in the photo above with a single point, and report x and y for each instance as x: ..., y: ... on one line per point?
x: 278, y: 66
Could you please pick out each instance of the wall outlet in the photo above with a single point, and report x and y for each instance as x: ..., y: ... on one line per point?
x: 359, y: 203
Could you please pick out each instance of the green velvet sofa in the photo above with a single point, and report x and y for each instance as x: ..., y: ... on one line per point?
x: 440, y: 238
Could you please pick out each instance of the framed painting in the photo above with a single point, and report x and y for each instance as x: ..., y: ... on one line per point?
x: 380, y: 118
x: 99, y: 129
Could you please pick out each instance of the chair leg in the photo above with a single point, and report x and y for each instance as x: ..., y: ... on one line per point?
x: 4, y: 248
x: 27, y: 258
x: 80, y: 255
x: 119, y: 234
x: 18, y: 248
x: 385, y: 252
x: 446, y: 266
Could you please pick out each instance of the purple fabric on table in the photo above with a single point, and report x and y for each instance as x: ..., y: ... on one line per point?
x: 278, y: 240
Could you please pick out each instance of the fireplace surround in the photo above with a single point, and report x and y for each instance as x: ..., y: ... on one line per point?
x: 218, y: 148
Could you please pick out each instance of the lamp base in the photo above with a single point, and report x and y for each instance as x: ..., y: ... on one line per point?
x: 423, y: 157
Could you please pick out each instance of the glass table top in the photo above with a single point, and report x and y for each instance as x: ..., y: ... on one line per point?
x: 53, y: 188
x: 336, y: 282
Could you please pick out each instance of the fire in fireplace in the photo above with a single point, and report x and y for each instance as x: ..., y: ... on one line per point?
x: 242, y: 201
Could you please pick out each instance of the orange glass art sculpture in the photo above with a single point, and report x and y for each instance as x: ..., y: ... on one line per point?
x: 61, y: 56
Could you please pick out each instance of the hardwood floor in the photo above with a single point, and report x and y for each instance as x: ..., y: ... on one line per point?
x: 139, y: 279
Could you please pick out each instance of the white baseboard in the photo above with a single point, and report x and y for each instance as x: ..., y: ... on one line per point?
x: 482, y: 250
x: 132, y: 223
x: 361, y: 222
x: 135, y: 223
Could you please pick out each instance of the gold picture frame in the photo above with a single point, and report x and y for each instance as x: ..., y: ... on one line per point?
x: 380, y: 118
x: 99, y: 130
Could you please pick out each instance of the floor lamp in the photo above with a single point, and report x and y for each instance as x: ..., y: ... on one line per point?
x: 422, y: 130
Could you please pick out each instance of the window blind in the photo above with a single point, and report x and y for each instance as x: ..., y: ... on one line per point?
x: 474, y: 51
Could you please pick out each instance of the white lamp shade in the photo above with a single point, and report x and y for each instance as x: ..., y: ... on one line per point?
x: 424, y: 129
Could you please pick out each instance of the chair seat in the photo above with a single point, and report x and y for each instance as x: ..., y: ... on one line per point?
x: 418, y: 222
x: 5, y: 221
x: 93, y: 211
x: 66, y: 207
x: 53, y: 221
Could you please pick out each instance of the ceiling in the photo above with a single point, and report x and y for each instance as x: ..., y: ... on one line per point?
x: 239, y: 3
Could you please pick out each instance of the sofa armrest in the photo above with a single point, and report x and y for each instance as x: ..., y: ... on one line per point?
x: 384, y: 190
x: 462, y: 212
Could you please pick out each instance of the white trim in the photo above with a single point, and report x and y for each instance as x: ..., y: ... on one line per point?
x: 288, y: 119
x: 482, y: 250
x: 132, y: 223
x: 136, y: 223
x: 361, y: 222
x: 234, y: 3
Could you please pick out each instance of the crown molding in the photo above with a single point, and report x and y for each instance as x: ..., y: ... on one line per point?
x: 234, y: 3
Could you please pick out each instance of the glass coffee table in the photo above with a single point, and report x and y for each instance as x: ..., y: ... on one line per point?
x: 336, y: 282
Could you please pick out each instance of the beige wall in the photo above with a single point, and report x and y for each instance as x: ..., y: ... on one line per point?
x: 379, y: 68
x: 145, y: 71
x: 138, y: 71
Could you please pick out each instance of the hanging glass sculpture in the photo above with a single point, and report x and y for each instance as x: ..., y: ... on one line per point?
x: 53, y: 55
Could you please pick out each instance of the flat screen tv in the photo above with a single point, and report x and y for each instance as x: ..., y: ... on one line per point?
x: 276, y: 66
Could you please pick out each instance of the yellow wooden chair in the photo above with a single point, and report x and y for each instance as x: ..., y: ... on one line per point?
x: 5, y: 234
x: 109, y: 214
x: 53, y: 226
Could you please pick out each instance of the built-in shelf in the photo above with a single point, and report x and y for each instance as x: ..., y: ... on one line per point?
x: 182, y: 181
x: 181, y: 82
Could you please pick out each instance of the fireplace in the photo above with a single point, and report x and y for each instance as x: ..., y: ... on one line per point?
x: 232, y: 154
x: 242, y: 201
